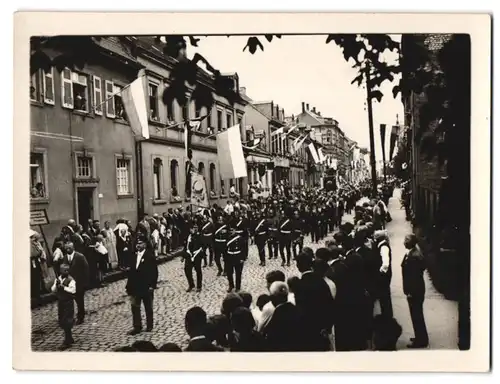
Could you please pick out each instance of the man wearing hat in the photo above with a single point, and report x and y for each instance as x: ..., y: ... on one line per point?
x: 221, y: 234
x: 193, y: 254
x: 142, y: 281
x: 235, y: 258
x: 272, y: 242
x: 285, y: 238
x: 207, y: 233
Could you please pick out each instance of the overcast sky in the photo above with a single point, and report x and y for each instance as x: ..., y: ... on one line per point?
x: 303, y: 68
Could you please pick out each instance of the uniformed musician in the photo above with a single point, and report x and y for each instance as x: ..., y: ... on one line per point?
x: 193, y: 254
x: 240, y: 225
x: 297, y: 234
x: 207, y: 235
x: 235, y: 258
x: 272, y: 242
x: 285, y: 239
x: 221, y: 234
x: 260, y: 233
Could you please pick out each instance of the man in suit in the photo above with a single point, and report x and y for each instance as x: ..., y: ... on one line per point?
x: 413, y: 267
x: 282, y: 332
x: 195, y: 322
x: 142, y: 281
x: 79, y: 270
x: 193, y: 255
x: 316, y: 304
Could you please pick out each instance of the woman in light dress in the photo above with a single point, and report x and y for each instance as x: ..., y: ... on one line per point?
x: 110, y: 244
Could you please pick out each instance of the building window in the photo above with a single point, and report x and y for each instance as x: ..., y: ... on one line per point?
x: 174, y: 169
x: 229, y: 119
x: 98, y: 95
x: 118, y: 101
x: 123, y: 176
x: 222, y: 187
x: 201, y: 168
x: 240, y: 121
x: 157, y: 168
x: 37, y: 175
x: 212, y: 177
x: 110, y: 101
x: 170, y: 112
x: 84, y: 167
x: 219, y: 120
x: 35, y: 86
x: 48, y: 87
x: 80, y: 92
x: 153, y: 101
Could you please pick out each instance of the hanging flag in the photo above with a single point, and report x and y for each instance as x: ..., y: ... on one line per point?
x: 199, y: 195
x: 278, y: 131
x: 195, y: 124
x: 297, y: 143
x: 382, y: 140
x: 134, y: 102
x: 322, y: 157
x: 314, y: 153
x: 252, y: 144
x: 230, y: 152
x: 394, y: 139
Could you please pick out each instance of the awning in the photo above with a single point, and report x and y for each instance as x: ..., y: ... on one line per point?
x: 281, y: 162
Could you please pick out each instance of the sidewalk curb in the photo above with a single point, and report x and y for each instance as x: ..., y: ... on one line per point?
x: 108, y: 278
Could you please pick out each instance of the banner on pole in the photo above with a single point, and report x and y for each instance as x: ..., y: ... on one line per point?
x: 199, y: 195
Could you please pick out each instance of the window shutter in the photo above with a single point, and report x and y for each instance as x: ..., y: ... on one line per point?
x: 97, y: 96
x: 66, y: 89
x: 48, y: 87
x: 110, y: 103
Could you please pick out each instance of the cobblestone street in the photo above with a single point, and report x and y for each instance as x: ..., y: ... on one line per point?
x: 109, y: 318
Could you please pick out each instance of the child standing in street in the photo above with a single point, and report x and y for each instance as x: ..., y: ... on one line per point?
x: 65, y: 287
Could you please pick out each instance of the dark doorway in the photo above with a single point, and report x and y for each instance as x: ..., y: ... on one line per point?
x: 85, y: 205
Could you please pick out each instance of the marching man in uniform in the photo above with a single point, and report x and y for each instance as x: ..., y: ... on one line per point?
x: 285, y: 239
x: 241, y: 228
x: 220, y: 241
x: 272, y: 242
x: 260, y: 236
x: 207, y: 232
x: 235, y: 258
x: 297, y: 234
x: 193, y: 254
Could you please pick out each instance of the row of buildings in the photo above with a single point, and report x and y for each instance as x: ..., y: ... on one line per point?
x: 86, y: 164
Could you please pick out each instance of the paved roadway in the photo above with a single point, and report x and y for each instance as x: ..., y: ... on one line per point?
x: 109, y: 318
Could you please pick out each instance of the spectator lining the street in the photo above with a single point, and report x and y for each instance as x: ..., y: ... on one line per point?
x: 218, y: 329
x: 195, y: 323
x: 293, y: 283
x: 244, y: 337
x: 268, y: 309
x: 247, y: 298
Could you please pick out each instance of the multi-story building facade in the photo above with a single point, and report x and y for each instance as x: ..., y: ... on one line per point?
x: 259, y: 160
x: 327, y: 131
x: 85, y: 162
x: 163, y: 157
x: 82, y: 151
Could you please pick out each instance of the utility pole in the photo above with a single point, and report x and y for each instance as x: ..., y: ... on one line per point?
x: 370, y: 125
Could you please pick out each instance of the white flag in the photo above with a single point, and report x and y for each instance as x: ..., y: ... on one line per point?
x: 278, y: 131
x: 297, y: 143
x: 232, y: 163
x: 322, y: 157
x: 134, y: 102
x: 314, y: 154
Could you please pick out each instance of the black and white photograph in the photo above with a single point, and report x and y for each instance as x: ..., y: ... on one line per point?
x: 251, y: 192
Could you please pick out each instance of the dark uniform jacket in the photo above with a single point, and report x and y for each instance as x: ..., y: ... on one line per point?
x: 241, y: 227
x: 193, y: 247
x: 261, y: 229
x: 221, y: 233
x: 234, y: 248
x: 286, y: 229
x: 273, y: 227
x: 207, y: 233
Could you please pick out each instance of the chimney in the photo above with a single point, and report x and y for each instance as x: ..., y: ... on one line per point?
x: 307, y: 107
x: 313, y: 109
x: 278, y: 112
x: 282, y: 113
x: 303, y: 107
x: 243, y: 90
x: 319, y: 113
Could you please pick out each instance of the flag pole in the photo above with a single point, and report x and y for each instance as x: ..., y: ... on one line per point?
x: 116, y: 93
